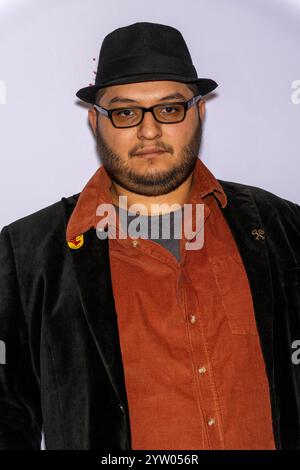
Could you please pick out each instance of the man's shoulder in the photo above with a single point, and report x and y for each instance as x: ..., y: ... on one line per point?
x: 264, y: 199
x: 49, y: 219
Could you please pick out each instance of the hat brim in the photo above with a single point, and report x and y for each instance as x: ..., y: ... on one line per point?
x: 88, y: 94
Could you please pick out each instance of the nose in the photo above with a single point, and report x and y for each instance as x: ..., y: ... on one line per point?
x: 149, y: 128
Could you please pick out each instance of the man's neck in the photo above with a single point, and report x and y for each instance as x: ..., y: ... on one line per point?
x: 169, y: 202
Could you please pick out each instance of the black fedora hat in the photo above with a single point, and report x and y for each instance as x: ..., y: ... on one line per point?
x: 142, y: 52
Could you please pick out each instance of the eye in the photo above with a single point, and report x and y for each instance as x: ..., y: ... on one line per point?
x: 125, y: 112
x: 169, y: 109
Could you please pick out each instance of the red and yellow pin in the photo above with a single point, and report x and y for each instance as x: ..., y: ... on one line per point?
x: 76, y: 242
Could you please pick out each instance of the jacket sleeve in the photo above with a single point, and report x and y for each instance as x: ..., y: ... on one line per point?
x: 20, y: 408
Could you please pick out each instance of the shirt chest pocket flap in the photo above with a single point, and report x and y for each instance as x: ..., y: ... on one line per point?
x: 235, y: 294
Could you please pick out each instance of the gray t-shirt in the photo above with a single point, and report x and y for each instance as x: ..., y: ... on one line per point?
x: 158, y: 228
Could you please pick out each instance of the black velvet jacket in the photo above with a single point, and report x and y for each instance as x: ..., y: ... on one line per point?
x: 63, y: 370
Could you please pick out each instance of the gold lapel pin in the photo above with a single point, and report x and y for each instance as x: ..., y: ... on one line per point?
x: 76, y: 242
x: 258, y: 233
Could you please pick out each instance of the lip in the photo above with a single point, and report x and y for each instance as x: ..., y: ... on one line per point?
x: 149, y: 153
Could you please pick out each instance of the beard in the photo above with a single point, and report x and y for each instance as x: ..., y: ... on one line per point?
x: 151, y: 183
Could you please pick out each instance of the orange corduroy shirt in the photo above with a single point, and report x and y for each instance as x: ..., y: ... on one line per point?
x: 194, y: 371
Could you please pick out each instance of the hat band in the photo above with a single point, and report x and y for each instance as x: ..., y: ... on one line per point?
x: 141, y: 64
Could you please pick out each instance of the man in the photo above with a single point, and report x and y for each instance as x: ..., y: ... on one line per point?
x: 120, y: 341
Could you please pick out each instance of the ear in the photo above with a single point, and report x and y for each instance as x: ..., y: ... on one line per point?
x: 201, y: 107
x: 92, y: 119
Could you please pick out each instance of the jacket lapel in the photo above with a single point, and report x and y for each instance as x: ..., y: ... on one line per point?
x: 92, y: 271
x: 251, y: 236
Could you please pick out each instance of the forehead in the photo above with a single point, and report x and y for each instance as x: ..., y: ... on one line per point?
x: 145, y: 91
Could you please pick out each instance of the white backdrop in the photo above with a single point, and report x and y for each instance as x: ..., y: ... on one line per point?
x: 250, y: 47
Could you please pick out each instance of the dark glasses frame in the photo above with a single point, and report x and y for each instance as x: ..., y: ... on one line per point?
x: 187, y: 104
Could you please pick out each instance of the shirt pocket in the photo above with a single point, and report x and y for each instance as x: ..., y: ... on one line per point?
x: 235, y: 294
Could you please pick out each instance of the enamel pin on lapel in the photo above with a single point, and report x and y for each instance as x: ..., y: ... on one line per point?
x: 258, y: 233
x: 76, y: 242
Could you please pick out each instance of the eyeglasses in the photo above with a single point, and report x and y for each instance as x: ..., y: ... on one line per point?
x: 167, y: 113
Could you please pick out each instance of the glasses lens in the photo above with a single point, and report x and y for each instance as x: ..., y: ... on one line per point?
x: 169, y: 113
x: 126, y: 117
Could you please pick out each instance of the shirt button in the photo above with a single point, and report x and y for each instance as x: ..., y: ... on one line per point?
x: 202, y: 370
x: 192, y: 319
x: 211, y: 422
x: 102, y: 229
x: 135, y: 243
x: 121, y: 407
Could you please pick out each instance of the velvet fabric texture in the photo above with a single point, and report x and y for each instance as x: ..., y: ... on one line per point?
x: 64, y: 370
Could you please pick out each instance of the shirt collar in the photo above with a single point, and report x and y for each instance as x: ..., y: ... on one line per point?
x: 97, y: 191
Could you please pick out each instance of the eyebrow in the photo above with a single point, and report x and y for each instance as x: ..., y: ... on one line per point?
x: 173, y: 96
